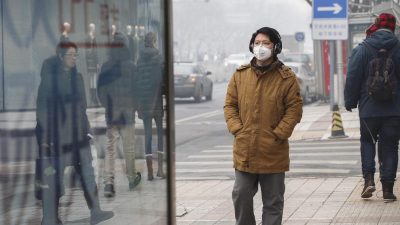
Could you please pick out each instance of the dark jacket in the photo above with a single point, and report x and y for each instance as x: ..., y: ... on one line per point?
x: 116, y: 89
x: 61, y: 106
x: 355, y: 92
x: 150, y: 82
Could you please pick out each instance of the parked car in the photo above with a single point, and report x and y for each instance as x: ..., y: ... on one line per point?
x: 306, y: 80
x: 234, y: 61
x: 192, y: 80
x: 301, y: 57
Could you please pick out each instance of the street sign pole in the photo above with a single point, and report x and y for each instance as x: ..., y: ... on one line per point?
x: 339, y: 69
x: 332, y: 73
x: 330, y: 23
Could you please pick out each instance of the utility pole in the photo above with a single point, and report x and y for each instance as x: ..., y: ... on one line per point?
x: 339, y: 70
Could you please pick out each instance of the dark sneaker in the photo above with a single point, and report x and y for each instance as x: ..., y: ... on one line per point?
x: 109, y: 191
x: 98, y: 215
x: 367, y: 191
x: 389, y: 197
x: 133, y: 184
x: 369, y: 186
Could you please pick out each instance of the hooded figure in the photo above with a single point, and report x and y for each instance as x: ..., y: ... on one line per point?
x: 116, y: 90
x: 379, y: 121
x: 384, y: 21
x: 150, y: 88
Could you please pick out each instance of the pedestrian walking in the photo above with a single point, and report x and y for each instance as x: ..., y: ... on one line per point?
x: 262, y: 107
x: 116, y: 90
x: 372, y: 85
x: 62, y: 134
x: 150, y: 87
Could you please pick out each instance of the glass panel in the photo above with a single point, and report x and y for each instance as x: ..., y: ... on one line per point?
x: 84, y: 122
x: 1, y: 60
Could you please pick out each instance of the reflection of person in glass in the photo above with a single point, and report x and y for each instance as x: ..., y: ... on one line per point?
x: 136, y: 45
x: 130, y: 36
x: 92, y: 61
x: 116, y: 94
x: 65, y: 31
x: 150, y: 83
x: 62, y: 134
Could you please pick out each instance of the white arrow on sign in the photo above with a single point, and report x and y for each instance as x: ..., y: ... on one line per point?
x: 336, y: 8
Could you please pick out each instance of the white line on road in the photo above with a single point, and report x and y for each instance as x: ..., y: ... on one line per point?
x: 197, y: 116
x: 214, y: 114
x: 305, y: 170
x: 210, y: 156
x: 214, y: 170
x: 231, y: 170
x: 319, y: 143
x: 316, y: 162
x: 229, y: 156
x: 322, y: 148
x: 203, y: 178
x: 325, y: 154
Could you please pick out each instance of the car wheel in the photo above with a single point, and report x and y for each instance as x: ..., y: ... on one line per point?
x: 199, y: 95
x: 209, y: 96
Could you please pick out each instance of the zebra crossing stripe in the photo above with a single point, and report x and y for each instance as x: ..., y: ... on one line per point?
x: 318, y: 170
x: 321, y: 144
x: 203, y: 178
x: 197, y: 170
x: 197, y: 116
x: 309, y: 158
x: 294, y: 170
x: 296, y: 161
x: 229, y: 156
x: 293, y: 149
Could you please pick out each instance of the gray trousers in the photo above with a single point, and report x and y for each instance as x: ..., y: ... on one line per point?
x: 272, y: 191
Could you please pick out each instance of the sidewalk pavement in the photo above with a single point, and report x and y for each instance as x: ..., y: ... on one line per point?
x: 322, y: 201
x: 311, y: 201
x: 316, y: 123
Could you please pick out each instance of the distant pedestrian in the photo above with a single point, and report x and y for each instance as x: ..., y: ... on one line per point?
x: 116, y: 90
x: 62, y: 134
x: 150, y: 89
x: 373, y: 84
x: 262, y: 107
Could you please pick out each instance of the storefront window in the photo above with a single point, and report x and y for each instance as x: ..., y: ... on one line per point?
x: 83, y: 112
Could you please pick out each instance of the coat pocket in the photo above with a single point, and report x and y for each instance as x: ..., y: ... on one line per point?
x: 241, y: 147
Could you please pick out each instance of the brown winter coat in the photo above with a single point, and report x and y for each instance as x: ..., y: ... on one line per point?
x: 261, y: 111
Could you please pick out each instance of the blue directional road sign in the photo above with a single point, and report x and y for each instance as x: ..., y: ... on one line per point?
x: 330, y: 9
x: 330, y: 20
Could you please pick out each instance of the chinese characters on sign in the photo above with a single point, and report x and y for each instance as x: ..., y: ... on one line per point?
x: 329, y: 30
x: 330, y: 20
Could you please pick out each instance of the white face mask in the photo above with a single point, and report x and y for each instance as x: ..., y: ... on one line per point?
x: 261, y: 52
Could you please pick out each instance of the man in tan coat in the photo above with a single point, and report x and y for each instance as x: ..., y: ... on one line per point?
x: 262, y: 107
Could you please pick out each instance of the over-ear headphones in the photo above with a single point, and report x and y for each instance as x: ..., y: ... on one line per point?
x: 274, y: 36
